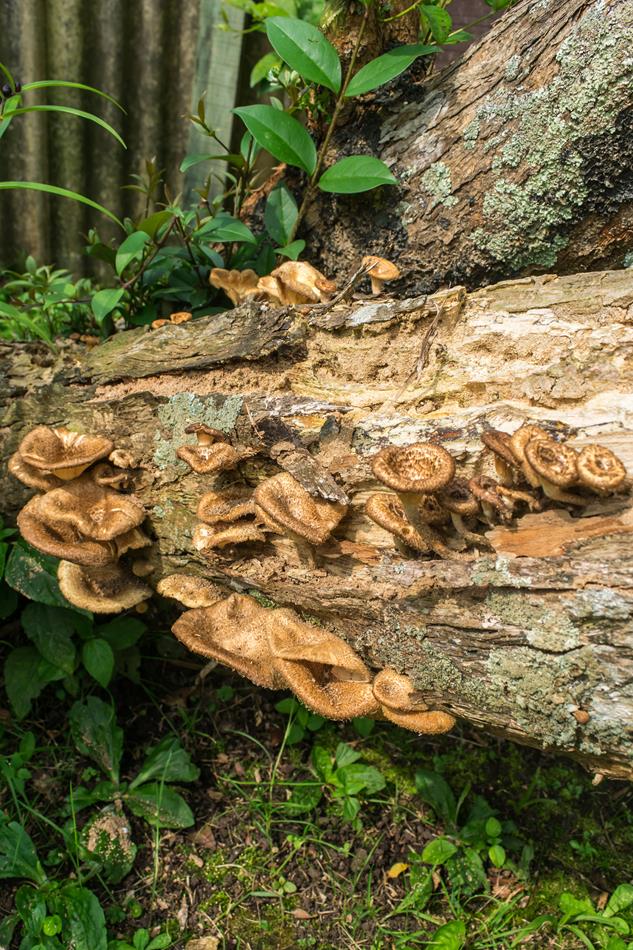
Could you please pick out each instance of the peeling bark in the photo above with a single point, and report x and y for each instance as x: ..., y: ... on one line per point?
x: 514, y: 642
x: 518, y: 159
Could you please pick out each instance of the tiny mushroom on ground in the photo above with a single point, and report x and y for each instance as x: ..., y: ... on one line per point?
x: 64, y: 453
x: 380, y: 272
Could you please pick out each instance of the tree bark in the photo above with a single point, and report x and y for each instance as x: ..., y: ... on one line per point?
x: 515, y: 642
x: 516, y: 160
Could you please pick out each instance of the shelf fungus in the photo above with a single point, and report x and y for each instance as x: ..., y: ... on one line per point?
x: 238, y: 285
x: 61, y: 452
x: 227, y: 504
x: 102, y: 590
x: 400, y: 703
x: 298, y: 282
x: 284, y: 507
x: 190, y: 590
x: 96, y: 511
x: 208, y: 537
x: 212, y: 453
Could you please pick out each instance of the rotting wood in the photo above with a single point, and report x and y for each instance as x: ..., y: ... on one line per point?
x: 514, y: 644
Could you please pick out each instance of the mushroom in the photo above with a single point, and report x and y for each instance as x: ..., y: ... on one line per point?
x: 518, y: 442
x: 385, y: 509
x: 272, y: 289
x: 61, y: 538
x: 302, y: 283
x: 122, y: 458
x: 506, y: 463
x: 399, y: 703
x: 64, y: 453
x: 161, y: 322
x: 181, y: 316
x: 415, y: 472
x: 286, y: 508
x: 230, y: 504
x: 95, y: 510
x: 380, y: 272
x: 233, y: 632
x: 555, y: 466
x: 131, y: 541
x: 31, y: 476
x: 320, y: 668
x: 108, y: 476
x: 208, y: 537
x: 493, y: 503
x: 460, y: 502
x: 102, y: 590
x: 190, y: 590
x: 236, y: 284
x: 600, y: 469
x: 212, y: 452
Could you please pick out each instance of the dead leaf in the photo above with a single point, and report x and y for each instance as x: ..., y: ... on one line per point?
x: 203, y: 943
x: 397, y: 869
x: 301, y: 914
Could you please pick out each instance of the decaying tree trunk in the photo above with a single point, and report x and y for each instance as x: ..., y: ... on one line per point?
x: 518, y: 159
x: 517, y: 641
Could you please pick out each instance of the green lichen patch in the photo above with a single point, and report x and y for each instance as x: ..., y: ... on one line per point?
x: 436, y: 181
x: 546, y: 628
x: 177, y: 412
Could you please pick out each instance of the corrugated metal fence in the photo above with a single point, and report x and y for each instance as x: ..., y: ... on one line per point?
x: 156, y: 57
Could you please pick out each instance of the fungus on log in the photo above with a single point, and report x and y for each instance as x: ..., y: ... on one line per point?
x: 515, y: 641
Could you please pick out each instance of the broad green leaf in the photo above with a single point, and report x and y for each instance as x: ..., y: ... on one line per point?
x: 360, y: 777
x: 281, y: 135
x: 291, y: 251
x: 357, y: 173
x: 168, y: 762
x: 155, y: 221
x: 98, y: 658
x: 131, y: 250
x: 68, y: 110
x: 161, y: 942
x: 573, y: 906
x: 84, y: 920
x: 189, y: 161
x: 60, y: 193
x: 160, y: 806
x: 436, y: 792
x: 386, y: 67
x: 30, y: 904
x: 493, y: 827
x: 262, y: 67
x: 51, y: 630
x: 105, y: 301
x: 363, y: 725
x: 96, y: 734
x: 280, y: 214
x: 322, y: 761
x: 450, y: 936
x: 26, y: 673
x: 497, y: 855
x: 34, y: 575
x: 106, y: 837
x: 224, y: 228
x: 305, y: 49
x: 439, y: 22
x: 438, y: 851
x: 351, y: 808
x: 620, y: 900
x: 18, y: 857
x: 345, y: 755
x: 122, y: 632
x: 63, y: 84
x: 304, y: 798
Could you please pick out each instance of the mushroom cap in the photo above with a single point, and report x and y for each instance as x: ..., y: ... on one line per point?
x: 132, y: 540
x: 207, y: 459
x: 122, y: 458
x: 103, y: 590
x: 422, y: 467
x: 230, y: 504
x: 553, y: 461
x: 108, y: 476
x: 600, y: 469
x: 520, y: 438
x: 233, y: 632
x: 205, y: 434
x: 190, y: 590
x: 499, y: 442
x: 207, y: 537
x: 161, y: 322
x: 459, y: 499
x: 303, y: 283
x: 380, y: 267
x: 487, y: 491
x: 273, y: 289
x: 181, y: 316
x: 320, y: 668
x: 285, y: 507
x: 31, y: 476
x: 431, y: 511
x: 236, y: 284
x: 61, y: 538
x: 95, y: 510
x: 61, y: 451
x: 397, y: 691
x: 386, y: 510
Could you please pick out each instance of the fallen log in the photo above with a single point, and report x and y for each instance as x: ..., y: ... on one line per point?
x: 533, y: 640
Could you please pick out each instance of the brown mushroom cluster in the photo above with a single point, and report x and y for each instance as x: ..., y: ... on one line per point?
x: 430, y: 509
x: 275, y: 649
x: 82, y: 516
x: 293, y: 282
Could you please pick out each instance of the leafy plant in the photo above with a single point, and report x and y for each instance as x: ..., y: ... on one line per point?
x: 142, y: 941
x: 302, y: 721
x: 579, y: 917
x: 346, y: 779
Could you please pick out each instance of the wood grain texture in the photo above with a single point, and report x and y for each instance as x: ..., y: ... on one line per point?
x: 515, y: 641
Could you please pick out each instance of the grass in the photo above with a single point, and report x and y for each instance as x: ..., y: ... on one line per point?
x: 271, y: 862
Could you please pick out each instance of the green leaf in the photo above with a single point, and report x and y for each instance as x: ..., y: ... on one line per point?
x: 60, y: 193
x: 621, y: 898
x: 224, y: 228
x: 106, y: 838
x: 262, y: 67
x: 26, y: 673
x: 281, y: 135
x: 345, y: 755
x: 291, y: 251
x: 363, y: 725
x: 98, y: 659
x: 63, y: 84
x: 305, y: 49
x: 493, y: 827
x: 154, y: 222
x: 30, y: 904
x: 439, y: 22
x: 351, y: 808
x: 280, y: 214
x: 322, y: 761
x: 438, y: 851
x: 350, y: 176
x: 35, y: 575
x: 51, y: 630
x: 161, y: 942
x: 360, y: 777
x: 122, y: 632
x: 131, y: 250
x: 68, y: 110
x: 386, y: 67
x: 96, y: 734
x: 497, y: 855
x: 573, y: 906
x: 168, y: 762
x: 84, y: 920
x: 189, y: 161
x: 436, y: 792
x: 18, y: 857
x: 160, y: 806
x: 451, y: 936
x: 104, y: 302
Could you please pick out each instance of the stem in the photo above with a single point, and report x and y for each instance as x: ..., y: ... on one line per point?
x: 187, y: 244
x: 150, y: 257
x: 321, y: 154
